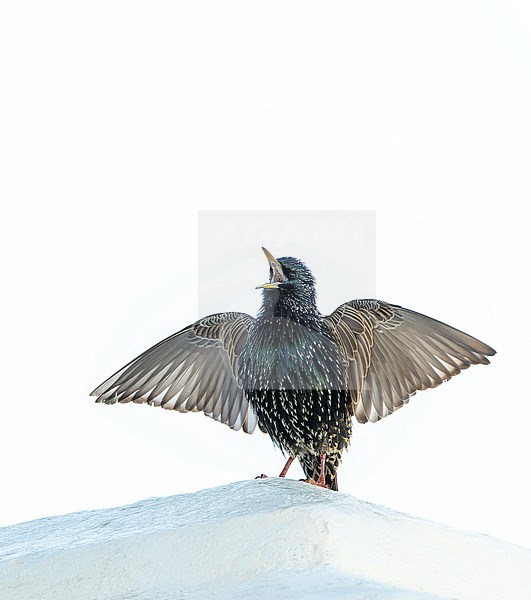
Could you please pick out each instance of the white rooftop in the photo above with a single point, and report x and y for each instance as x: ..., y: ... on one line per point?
x: 267, y: 538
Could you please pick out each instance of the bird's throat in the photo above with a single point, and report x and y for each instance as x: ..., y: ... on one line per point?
x: 297, y: 307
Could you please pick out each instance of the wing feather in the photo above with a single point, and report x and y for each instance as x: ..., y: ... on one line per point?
x: 192, y: 370
x: 393, y: 352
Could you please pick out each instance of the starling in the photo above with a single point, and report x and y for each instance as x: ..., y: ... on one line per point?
x: 300, y: 376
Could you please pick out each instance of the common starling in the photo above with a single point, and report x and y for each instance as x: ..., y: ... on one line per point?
x: 300, y: 376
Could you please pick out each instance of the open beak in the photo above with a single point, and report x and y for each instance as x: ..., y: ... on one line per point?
x: 277, y: 276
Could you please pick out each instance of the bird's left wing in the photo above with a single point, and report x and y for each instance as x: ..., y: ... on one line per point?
x: 393, y: 352
x: 192, y: 370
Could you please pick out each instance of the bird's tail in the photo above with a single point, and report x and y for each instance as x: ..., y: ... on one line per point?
x: 311, y: 465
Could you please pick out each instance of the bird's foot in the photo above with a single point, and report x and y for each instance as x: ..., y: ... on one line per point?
x: 318, y: 483
x: 283, y: 472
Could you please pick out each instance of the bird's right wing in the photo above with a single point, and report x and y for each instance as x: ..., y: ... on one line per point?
x: 192, y: 370
x: 393, y: 352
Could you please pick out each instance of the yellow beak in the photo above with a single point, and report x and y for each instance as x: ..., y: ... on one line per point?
x: 268, y: 286
x: 278, y: 276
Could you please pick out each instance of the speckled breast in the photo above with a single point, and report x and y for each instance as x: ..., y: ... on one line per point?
x: 295, y: 379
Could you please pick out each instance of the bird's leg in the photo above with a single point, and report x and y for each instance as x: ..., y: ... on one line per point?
x: 283, y: 472
x: 321, y: 480
x: 286, y: 466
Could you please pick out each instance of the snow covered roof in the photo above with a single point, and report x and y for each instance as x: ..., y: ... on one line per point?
x: 267, y: 538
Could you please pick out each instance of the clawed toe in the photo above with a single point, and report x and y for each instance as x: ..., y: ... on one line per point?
x: 317, y: 483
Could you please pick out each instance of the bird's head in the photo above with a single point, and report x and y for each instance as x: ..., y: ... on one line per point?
x: 291, y: 279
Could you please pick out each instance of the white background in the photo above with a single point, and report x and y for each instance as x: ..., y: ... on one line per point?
x: 230, y: 258
x: 121, y: 120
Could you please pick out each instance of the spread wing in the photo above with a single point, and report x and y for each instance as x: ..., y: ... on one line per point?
x: 191, y: 370
x: 392, y: 352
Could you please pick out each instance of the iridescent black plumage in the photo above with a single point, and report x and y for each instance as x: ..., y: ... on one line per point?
x: 294, y: 374
x: 299, y: 375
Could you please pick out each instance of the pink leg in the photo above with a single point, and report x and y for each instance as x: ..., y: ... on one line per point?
x: 321, y: 481
x: 283, y: 472
x: 286, y: 466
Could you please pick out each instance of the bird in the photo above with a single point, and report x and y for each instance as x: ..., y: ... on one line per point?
x: 297, y: 375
